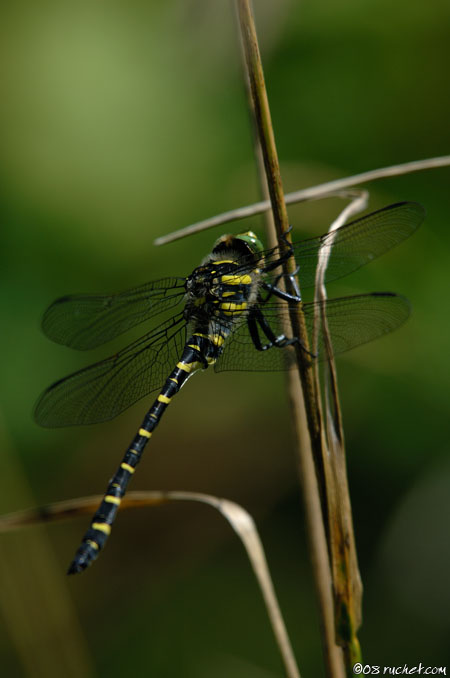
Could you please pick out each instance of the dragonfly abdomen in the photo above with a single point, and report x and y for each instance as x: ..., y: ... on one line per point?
x: 201, y: 350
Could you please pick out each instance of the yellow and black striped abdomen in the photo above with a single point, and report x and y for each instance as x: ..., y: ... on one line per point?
x: 199, y: 352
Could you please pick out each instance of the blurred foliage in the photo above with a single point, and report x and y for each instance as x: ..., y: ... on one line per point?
x: 123, y: 121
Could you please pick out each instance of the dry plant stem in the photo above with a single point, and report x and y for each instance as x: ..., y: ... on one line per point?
x: 244, y: 526
x: 312, y: 193
x: 266, y: 136
x: 359, y: 200
x: 267, y: 140
x: 241, y: 522
x: 347, y: 585
x: 313, y: 512
x: 262, y: 115
x: 257, y: 150
x: 317, y: 539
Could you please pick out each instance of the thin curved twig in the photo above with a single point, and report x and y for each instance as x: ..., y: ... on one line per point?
x: 239, y: 519
x: 327, y: 189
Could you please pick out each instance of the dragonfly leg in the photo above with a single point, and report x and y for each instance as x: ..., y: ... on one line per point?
x: 273, y: 288
x: 256, y: 318
x: 288, y: 252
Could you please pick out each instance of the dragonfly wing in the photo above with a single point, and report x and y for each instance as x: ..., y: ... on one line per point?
x: 355, y: 244
x: 103, y: 390
x: 84, y: 321
x: 351, y: 321
x: 239, y: 352
x: 356, y: 320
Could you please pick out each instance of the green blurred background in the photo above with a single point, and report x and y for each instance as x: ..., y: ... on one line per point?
x: 121, y: 122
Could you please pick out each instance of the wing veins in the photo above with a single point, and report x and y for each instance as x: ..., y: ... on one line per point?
x: 72, y: 387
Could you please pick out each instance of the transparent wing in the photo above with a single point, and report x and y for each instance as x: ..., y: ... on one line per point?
x: 103, y: 390
x: 84, y: 321
x: 352, y: 321
x: 354, y: 244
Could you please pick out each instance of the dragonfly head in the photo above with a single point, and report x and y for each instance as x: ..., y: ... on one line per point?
x: 244, y: 243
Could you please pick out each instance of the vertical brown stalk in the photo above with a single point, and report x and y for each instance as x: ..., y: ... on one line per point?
x: 308, y: 407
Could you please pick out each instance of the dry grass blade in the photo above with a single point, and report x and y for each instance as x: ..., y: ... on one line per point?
x: 347, y: 585
x: 239, y: 519
x: 327, y: 189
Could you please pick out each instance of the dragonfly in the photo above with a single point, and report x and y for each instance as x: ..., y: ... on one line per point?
x: 226, y: 314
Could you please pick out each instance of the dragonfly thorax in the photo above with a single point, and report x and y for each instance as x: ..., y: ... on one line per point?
x: 220, y: 289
